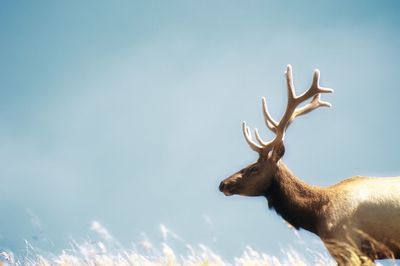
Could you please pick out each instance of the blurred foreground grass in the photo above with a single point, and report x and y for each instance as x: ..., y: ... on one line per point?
x: 106, y: 251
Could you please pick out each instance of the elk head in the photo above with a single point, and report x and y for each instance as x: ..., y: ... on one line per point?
x: 255, y: 179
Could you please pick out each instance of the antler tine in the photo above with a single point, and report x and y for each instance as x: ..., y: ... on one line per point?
x: 259, y: 139
x: 316, y: 83
x: 269, y: 121
x: 247, y: 135
x: 314, y: 104
x: 314, y: 89
x: 290, y: 86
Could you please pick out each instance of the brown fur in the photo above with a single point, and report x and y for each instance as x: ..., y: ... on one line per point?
x: 299, y: 204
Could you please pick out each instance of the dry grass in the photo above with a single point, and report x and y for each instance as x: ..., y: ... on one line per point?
x: 106, y: 251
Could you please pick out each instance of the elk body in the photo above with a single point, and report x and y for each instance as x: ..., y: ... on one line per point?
x: 358, y: 219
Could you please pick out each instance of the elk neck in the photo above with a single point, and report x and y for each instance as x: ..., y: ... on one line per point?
x: 300, y: 204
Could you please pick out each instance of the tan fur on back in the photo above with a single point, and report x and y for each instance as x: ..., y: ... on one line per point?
x: 364, y: 207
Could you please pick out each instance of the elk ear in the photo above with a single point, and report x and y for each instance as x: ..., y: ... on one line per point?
x: 277, y: 152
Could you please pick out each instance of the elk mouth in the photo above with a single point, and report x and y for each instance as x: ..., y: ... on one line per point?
x: 227, y: 193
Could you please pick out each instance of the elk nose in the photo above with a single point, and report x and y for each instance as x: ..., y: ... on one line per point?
x: 221, y: 186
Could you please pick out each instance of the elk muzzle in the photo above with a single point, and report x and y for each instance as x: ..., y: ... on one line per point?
x: 229, y: 186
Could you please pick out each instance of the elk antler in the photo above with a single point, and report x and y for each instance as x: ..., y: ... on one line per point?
x: 292, y: 111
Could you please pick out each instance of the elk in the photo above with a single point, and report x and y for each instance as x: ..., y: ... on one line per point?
x: 357, y: 219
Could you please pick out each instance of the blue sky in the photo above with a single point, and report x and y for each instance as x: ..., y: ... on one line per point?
x: 129, y: 112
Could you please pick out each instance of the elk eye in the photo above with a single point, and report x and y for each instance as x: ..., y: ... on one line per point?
x: 253, y: 170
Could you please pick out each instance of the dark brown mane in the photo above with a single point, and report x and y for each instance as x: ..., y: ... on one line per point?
x: 299, y: 204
